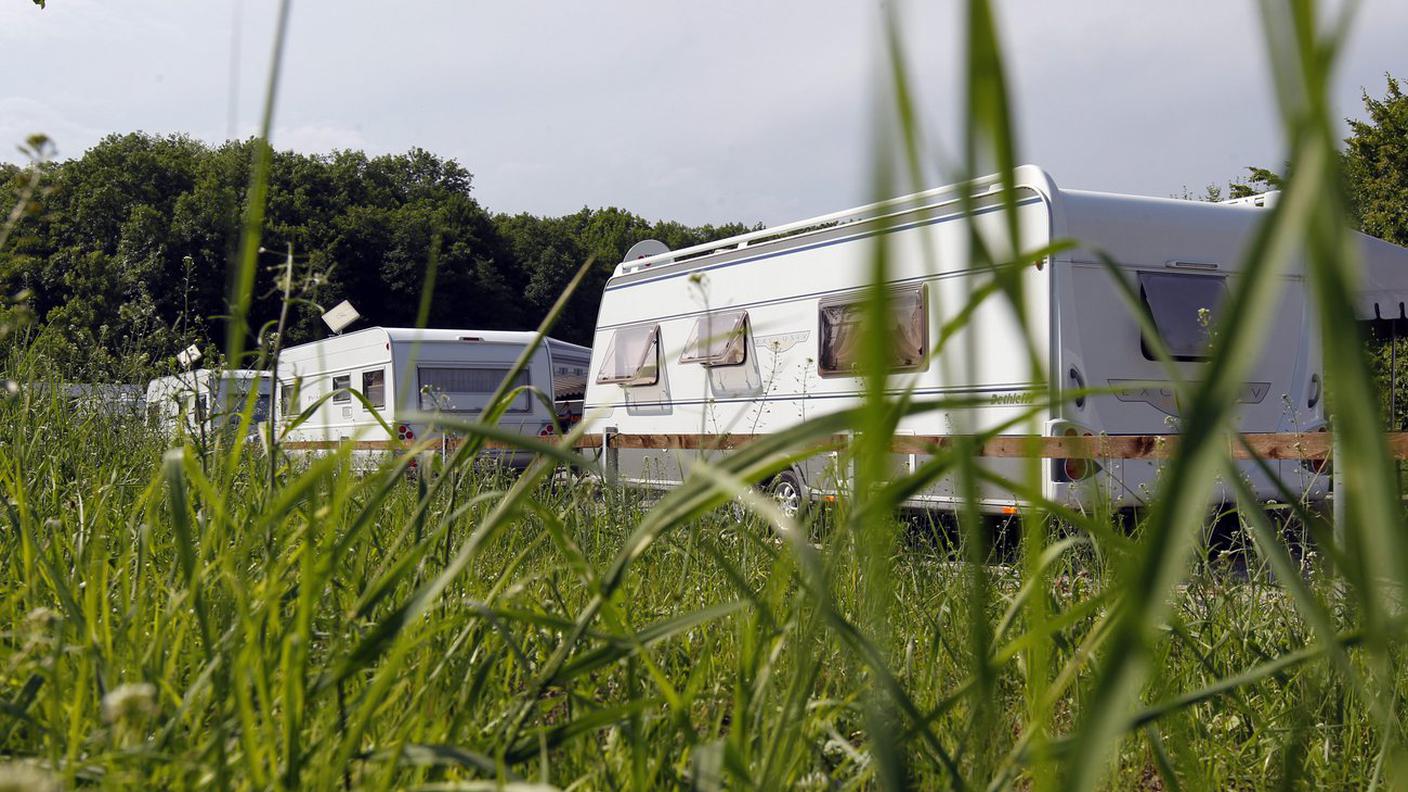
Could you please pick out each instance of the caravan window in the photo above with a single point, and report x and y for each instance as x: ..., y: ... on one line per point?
x: 374, y: 387
x: 718, y: 339
x: 632, y: 357
x: 907, y: 329
x: 467, y: 389
x: 569, y: 378
x: 288, y: 397
x: 341, y: 388
x: 261, y: 408
x: 1183, y: 308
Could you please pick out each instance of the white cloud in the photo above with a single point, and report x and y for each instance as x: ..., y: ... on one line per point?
x: 702, y: 112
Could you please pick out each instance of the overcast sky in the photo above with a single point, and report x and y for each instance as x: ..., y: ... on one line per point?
x: 701, y: 112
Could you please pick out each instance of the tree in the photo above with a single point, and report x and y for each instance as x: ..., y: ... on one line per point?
x: 127, y: 252
x: 1257, y: 181
x: 1376, y: 165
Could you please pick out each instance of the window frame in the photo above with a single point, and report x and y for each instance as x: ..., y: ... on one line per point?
x: 635, y: 380
x: 513, y: 409
x: 858, y: 297
x: 342, y: 393
x: 1152, y: 316
x: 740, y: 330
x: 289, y: 393
x: 380, y: 401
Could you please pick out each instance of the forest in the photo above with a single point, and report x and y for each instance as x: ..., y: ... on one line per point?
x: 117, y: 259
x: 121, y: 257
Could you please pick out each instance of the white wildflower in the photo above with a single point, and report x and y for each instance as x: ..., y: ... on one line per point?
x: 129, y: 702
x: 42, y: 618
x: 26, y: 777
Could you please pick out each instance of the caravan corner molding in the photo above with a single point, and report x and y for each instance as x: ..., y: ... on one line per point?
x: 755, y: 333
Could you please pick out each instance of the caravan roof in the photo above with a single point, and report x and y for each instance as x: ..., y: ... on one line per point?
x: 431, y: 334
x: 1124, y: 225
x: 413, y: 334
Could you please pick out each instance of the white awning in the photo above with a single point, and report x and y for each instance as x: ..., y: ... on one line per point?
x: 1383, y: 283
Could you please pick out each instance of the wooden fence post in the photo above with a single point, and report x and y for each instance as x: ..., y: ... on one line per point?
x: 1337, y: 496
x: 611, y: 455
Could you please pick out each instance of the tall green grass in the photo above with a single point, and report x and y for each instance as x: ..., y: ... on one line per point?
x: 232, y: 615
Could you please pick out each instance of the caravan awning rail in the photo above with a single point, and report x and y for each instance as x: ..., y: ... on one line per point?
x: 871, y: 211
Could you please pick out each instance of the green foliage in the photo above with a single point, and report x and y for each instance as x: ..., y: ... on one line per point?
x: 1376, y: 165
x: 127, y: 250
x: 176, y: 618
x: 1257, y: 181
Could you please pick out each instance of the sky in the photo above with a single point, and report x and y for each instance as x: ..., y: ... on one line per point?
x: 719, y: 111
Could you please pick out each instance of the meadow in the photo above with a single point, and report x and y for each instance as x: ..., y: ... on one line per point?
x: 178, y: 614
x: 174, y: 621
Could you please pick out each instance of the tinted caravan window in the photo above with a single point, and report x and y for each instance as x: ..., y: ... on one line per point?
x: 718, y: 339
x: 632, y: 357
x: 374, y: 387
x: 1184, y: 308
x: 450, y: 389
x: 907, y: 330
x: 288, y: 397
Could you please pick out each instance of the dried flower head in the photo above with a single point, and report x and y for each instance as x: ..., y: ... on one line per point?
x: 26, y: 777
x: 129, y: 702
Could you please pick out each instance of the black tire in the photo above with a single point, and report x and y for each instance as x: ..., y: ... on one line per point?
x: 787, y: 489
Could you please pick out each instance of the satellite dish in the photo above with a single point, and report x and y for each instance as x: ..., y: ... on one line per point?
x: 342, y: 315
x: 645, y: 249
x: 189, y: 356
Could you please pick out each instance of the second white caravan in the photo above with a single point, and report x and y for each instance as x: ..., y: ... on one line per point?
x: 755, y: 333
x: 204, y: 403
x: 407, y: 375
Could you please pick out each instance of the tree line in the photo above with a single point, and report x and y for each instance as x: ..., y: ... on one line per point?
x: 115, y: 260
x: 123, y: 256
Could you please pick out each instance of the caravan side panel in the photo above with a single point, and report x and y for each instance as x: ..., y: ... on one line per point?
x: 792, y: 293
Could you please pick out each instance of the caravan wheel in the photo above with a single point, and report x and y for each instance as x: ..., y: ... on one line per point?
x: 786, y: 489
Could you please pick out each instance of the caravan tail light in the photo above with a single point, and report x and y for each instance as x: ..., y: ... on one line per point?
x: 404, y: 432
x: 1074, y: 469
x: 547, y: 431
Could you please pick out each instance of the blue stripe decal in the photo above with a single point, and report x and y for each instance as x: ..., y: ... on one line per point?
x: 809, y: 396
x: 828, y: 243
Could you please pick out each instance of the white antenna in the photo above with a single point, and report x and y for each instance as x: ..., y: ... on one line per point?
x: 645, y: 249
x: 342, y: 315
x: 189, y: 356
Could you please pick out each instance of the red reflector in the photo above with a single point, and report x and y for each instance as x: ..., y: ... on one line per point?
x: 1075, y: 469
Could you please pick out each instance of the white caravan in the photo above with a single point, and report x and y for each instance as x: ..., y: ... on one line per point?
x: 205, y: 402
x: 403, y: 372
x: 754, y: 333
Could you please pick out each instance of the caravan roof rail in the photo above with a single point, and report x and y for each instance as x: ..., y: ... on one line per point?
x: 777, y: 233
